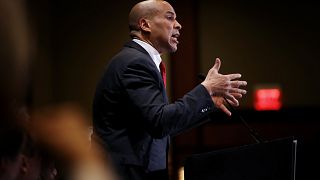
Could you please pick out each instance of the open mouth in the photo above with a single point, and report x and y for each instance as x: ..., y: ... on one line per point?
x: 175, y: 37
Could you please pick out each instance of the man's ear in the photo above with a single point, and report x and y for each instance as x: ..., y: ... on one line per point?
x: 144, y: 25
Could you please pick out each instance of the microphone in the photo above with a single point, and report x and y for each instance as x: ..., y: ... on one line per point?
x: 253, y: 133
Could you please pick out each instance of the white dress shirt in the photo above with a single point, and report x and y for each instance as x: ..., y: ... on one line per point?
x: 152, y: 52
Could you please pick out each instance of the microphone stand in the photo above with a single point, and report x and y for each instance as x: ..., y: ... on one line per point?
x: 253, y: 133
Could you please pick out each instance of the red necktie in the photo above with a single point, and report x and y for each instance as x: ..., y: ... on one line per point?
x: 163, y: 72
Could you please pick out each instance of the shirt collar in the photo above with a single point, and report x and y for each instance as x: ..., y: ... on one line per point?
x: 154, y: 54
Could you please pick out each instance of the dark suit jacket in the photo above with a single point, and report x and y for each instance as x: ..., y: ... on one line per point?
x: 131, y: 113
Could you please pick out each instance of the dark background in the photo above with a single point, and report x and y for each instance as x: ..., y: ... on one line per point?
x: 269, y: 42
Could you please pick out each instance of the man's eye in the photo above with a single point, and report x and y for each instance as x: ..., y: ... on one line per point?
x: 170, y: 18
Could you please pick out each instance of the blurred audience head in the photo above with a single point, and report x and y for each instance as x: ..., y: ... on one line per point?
x: 33, y: 143
x: 64, y: 130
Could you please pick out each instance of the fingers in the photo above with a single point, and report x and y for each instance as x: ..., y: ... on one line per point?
x: 233, y: 76
x: 217, y: 64
x: 233, y: 101
x: 236, y: 95
x: 236, y: 90
x: 219, y: 103
x: 224, y: 85
x: 225, y: 110
x: 234, y: 87
x: 238, y: 83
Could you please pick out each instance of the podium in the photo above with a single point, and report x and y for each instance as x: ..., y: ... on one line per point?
x: 272, y: 160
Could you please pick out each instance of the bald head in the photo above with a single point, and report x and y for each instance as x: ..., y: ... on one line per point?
x: 145, y: 9
x: 154, y: 22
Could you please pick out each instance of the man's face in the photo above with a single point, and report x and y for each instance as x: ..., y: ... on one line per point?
x: 164, y: 29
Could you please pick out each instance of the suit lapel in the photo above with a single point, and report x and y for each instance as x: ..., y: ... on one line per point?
x: 132, y: 44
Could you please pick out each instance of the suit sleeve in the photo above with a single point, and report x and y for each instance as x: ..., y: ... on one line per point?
x: 159, y: 118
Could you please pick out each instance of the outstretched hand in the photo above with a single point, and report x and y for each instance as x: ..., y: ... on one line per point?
x: 219, y: 102
x: 222, y: 86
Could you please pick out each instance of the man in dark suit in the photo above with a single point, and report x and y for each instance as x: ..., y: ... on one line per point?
x: 131, y: 112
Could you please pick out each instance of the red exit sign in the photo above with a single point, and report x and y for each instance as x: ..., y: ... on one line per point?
x: 267, y: 99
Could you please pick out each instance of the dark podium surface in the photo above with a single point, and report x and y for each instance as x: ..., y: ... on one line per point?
x: 272, y: 160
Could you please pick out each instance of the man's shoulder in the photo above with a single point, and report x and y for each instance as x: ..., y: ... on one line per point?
x: 130, y: 53
x: 134, y: 49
